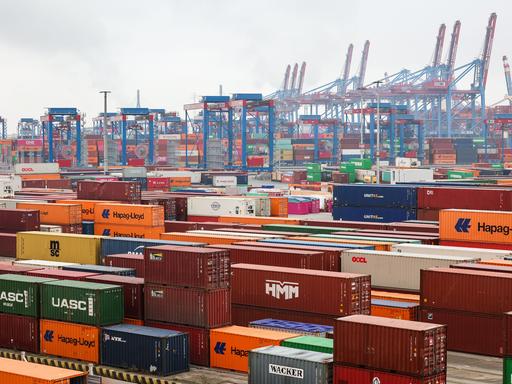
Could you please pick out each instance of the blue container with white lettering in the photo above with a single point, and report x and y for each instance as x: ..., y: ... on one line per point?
x: 118, y: 245
x: 156, y: 351
x: 371, y: 195
x: 373, y: 214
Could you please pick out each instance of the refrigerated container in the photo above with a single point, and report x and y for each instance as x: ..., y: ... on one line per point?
x: 220, y: 206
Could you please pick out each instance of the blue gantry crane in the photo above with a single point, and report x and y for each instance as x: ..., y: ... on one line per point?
x: 63, y: 125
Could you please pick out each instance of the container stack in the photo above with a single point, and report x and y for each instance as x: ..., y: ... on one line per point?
x: 383, y: 203
x: 370, y: 349
x: 314, y: 172
x: 188, y: 290
x: 12, y: 221
x: 68, y: 217
x: 261, y: 291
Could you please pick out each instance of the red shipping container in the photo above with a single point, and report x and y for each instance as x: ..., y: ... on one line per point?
x: 195, y: 267
x: 413, y: 227
x: 179, y: 226
x: 64, y: 163
x: 278, y: 257
x: 7, y: 267
x: 508, y: 334
x: 483, y: 267
x: 133, y: 288
x: 466, y: 290
x: 134, y: 162
x: 353, y: 375
x: 8, y: 245
x: 333, y: 255
x: 61, y: 274
x: 321, y: 292
x: 469, y: 332
x: 427, y: 214
x: 474, y: 244
x: 19, y: 332
x: 243, y: 314
x: 16, y: 220
x: 109, y: 190
x: 188, y: 306
x: 126, y: 260
x: 158, y: 184
x: 198, y: 341
x: 201, y: 219
x: 58, y: 184
x: 487, y: 199
x: 402, y: 346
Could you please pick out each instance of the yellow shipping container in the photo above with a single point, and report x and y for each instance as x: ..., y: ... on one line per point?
x: 71, y: 248
x: 475, y: 226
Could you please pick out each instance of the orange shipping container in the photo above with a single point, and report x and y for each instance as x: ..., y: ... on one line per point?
x: 88, y: 207
x: 23, y: 372
x: 475, y: 226
x: 500, y: 262
x: 129, y: 214
x: 56, y: 214
x: 378, y: 245
x: 396, y: 312
x: 127, y: 320
x: 42, y: 176
x: 134, y: 231
x: 230, y: 346
x: 279, y: 206
x: 405, y: 297
x: 257, y: 220
x: 206, y: 238
x: 73, y: 341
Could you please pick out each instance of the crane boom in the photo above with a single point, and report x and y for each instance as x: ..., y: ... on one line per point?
x: 294, y: 77
x: 364, y: 62
x: 508, y: 78
x: 452, y: 53
x: 301, y: 77
x: 438, y: 52
x: 286, y: 78
x: 481, y: 73
x: 348, y: 62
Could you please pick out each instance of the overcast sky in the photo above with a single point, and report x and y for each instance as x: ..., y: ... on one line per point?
x: 61, y: 53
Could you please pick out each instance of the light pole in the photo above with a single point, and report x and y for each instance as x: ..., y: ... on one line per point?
x: 378, y: 138
x: 361, y: 141
x: 105, y: 134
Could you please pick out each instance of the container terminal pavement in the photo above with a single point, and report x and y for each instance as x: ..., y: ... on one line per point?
x: 88, y: 281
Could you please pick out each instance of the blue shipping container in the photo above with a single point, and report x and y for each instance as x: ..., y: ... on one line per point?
x: 293, y: 326
x: 118, y: 245
x: 157, y: 351
x: 368, y: 195
x: 316, y: 243
x: 373, y: 214
x: 101, y: 269
x: 87, y: 227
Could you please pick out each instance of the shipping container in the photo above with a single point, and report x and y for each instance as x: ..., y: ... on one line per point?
x: 198, y: 339
x: 400, y: 346
x: 489, y: 267
x: 230, y: 346
x: 22, y: 372
x: 469, y: 332
x: 306, y: 329
x: 20, y: 295
x: 59, y: 214
x: 187, y: 306
x: 508, y: 334
x: 109, y: 190
x: 60, y: 274
x: 345, y: 243
x: 304, y: 229
x: 58, y: 247
x: 129, y: 214
x: 133, y: 289
x: 373, y: 214
x: 395, y: 309
x: 100, y: 269
x: 188, y: 266
x: 8, y: 267
x: 279, y: 257
x: 310, y: 343
x: 243, y: 315
x: 82, y: 302
x: 42, y: 264
x: 361, y: 195
x: 395, y: 296
x: 111, y: 246
x: 465, y: 290
x: 479, y: 253
x: 473, y: 244
x: 133, y: 231
x: 507, y: 370
x: 36, y: 168
x: 126, y: 260
x: 355, y: 375
x: 315, y: 243
x: 72, y: 341
x: 8, y: 245
x: 476, y: 226
x: 383, y: 238
x: 299, y: 289
x: 88, y: 207
x: 220, y: 206
x: 488, y: 199
x: 282, y: 365
x: 19, y: 332
x: 152, y: 350
x: 209, y: 239
x: 16, y: 220
x: 395, y: 270
x: 226, y: 232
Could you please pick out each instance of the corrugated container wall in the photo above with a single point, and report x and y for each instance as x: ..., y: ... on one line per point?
x: 16, y: 220
x: 111, y: 246
x: 360, y: 195
x: 19, y: 332
x: 353, y: 375
x: 21, y: 294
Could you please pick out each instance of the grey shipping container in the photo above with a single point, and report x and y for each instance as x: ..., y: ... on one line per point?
x: 157, y: 351
x: 113, y: 246
x: 281, y: 365
x: 20, y: 295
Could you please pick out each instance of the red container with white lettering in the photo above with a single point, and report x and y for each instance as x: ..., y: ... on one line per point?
x: 304, y: 290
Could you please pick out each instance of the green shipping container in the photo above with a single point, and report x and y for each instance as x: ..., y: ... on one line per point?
x: 361, y: 163
x: 20, y: 295
x: 507, y: 370
x: 310, y: 343
x: 317, y: 176
x: 82, y: 302
x: 347, y: 168
x: 460, y: 175
x: 314, y: 167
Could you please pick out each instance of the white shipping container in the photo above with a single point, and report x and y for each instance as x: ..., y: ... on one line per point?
x: 262, y: 205
x: 407, y: 162
x: 36, y: 168
x: 423, y: 249
x: 135, y: 172
x: 224, y: 181
x: 11, y: 203
x: 220, y: 206
x: 43, y: 264
x: 195, y: 177
x: 50, y: 228
x: 395, y: 270
x: 411, y: 175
